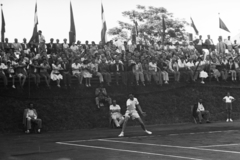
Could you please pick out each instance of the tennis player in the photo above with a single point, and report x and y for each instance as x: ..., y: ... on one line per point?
x: 131, y: 112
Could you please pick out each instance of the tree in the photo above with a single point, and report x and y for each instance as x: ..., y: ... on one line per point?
x: 149, y: 22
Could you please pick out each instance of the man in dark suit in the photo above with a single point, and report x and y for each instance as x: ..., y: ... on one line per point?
x: 209, y: 43
x: 25, y: 46
x: 140, y: 47
x: 51, y: 47
x: 59, y: 46
x: 7, y: 46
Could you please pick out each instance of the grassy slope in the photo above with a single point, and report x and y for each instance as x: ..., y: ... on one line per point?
x: 75, y: 109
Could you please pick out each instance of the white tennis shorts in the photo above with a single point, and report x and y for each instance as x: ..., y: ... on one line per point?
x: 132, y: 113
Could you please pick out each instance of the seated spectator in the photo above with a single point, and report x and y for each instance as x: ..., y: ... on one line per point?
x: 3, y: 68
x: 237, y: 67
x: 214, y: 69
x: 115, y: 112
x: 138, y: 72
x: 66, y: 72
x: 105, y: 71
x: 55, y: 74
x: 231, y: 69
x: 11, y: 71
x: 153, y: 70
x: 30, y: 116
x: 34, y: 72
x: 224, y: 69
x: 202, y: 112
x: 76, y: 70
x: 102, y: 96
x: 86, y: 73
x: 175, y: 70
x: 94, y: 70
x: 44, y: 67
x: 21, y: 72
x: 118, y: 70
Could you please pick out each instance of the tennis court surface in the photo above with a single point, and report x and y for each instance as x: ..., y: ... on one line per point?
x: 215, y: 141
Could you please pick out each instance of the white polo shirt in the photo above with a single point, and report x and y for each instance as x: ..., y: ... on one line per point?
x: 131, y: 104
x: 114, y: 108
x: 228, y: 99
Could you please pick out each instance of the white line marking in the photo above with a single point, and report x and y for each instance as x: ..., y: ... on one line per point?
x: 210, y: 132
x: 220, y: 145
x: 130, y: 151
x: 170, y: 146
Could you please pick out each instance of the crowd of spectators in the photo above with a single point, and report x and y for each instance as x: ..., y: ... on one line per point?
x: 128, y: 63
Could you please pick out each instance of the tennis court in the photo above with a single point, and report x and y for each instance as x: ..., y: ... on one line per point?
x: 215, y: 141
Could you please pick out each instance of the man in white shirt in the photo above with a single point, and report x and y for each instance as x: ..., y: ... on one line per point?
x: 115, y: 112
x: 228, y: 100
x: 131, y: 112
x: 202, y: 112
x: 29, y: 117
x: 41, y: 37
x: 229, y: 43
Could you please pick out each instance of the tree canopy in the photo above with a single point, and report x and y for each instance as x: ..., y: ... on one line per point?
x: 149, y: 22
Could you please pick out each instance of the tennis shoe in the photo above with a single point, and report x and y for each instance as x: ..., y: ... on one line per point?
x: 121, y: 134
x: 227, y: 120
x: 148, y: 132
x: 230, y: 120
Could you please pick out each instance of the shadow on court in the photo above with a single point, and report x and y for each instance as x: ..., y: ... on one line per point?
x: 179, y: 141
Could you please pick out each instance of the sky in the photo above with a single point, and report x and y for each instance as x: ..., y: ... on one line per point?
x: 54, y: 16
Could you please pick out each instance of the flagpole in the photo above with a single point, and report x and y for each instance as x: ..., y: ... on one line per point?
x: 219, y: 26
x: 1, y: 31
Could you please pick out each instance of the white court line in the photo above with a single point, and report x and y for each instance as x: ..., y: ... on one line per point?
x: 209, y: 132
x: 170, y: 146
x: 220, y: 145
x: 129, y: 151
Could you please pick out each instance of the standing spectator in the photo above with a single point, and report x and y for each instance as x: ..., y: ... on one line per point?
x: 65, y: 44
x: 41, y: 38
x: 16, y: 46
x: 55, y: 74
x: 77, y: 70
x: 59, y: 46
x: 138, y: 72
x: 25, y: 46
x: 104, y: 70
x: 209, y: 42
x: 237, y: 67
x: 34, y: 72
x: 3, y: 67
x: 30, y: 116
x: 44, y: 67
x: 228, y: 100
x: 229, y: 44
x: 86, y: 73
x: 221, y: 47
x: 66, y: 72
x: 7, y: 46
x: 131, y: 112
x: 51, y: 47
x: 115, y: 112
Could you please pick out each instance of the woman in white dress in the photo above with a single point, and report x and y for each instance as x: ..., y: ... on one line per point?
x: 86, y: 72
x: 55, y: 74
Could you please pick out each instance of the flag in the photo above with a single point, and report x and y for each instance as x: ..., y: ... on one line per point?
x: 2, y: 30
x: 163, y: 28
x: 104, y: 28
x: 222, y: 25
x: 194, y: 27
x: 34, y: 37
x: 72, y: 32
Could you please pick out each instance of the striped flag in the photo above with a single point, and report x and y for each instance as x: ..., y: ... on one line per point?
x: 104, y: 28
x: 72, y: 32
x: 34, y: 37
x: 194, y: 27
x: 222, y: 25
x: 3, y: 30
